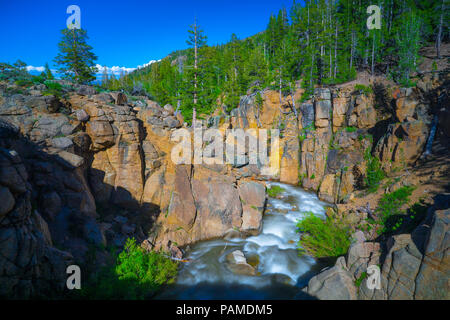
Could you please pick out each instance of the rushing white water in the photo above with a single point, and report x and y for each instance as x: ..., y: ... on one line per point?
x: 275, y: 249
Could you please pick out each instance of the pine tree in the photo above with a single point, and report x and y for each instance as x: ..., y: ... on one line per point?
x: 408, y: 44
x: 76, y: 60
x: 234, y: 83
x: 48, y: 73
x: 323, y: 42
x: 196, y: 40
x: 105, y: 79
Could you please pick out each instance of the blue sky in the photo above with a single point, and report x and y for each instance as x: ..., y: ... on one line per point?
x: 126, y: 33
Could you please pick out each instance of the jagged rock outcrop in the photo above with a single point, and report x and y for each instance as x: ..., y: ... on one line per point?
x: 96, y: 155
x: 405, y: 140
x: 325, y: 140
x: 413, y: 266
x: 80, y: 156
x: 29, y: 265
x: 206, y: 203
x: 333, y: 284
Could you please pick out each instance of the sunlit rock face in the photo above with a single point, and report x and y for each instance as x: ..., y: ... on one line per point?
x: 97, y: 168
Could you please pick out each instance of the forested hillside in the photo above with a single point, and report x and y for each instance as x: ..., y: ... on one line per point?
x: 319, y: 42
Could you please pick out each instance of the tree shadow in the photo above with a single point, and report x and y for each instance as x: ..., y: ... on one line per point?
x: 416, y: 222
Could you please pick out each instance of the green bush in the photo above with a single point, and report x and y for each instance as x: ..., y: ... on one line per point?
x: 374, y: 173
x: 363, y: 89
x: 351, y: 129
x: 323, y: 238
x: 259, y: 101
x: 38, y: 79
x: 23, y: 82
x: 53, y: 88
x: 136, y: 275
x: 274, y: 191
x: 389, y: 208
x: 359, y: 281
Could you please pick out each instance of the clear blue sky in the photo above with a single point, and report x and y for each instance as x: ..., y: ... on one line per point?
x: 126, y: 33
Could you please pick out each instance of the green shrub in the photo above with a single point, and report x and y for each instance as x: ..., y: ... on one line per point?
x: 351, y: 129
x: 417, y: 212
x: 259, y: 101
x: 9, y: 91
x: 323, y: 238
x: 23, y: 82
x: 434, y: 66
x: 301, y: 137
x: 374, y: 173
x: 53, y: 88
x: 53, y: 85
x: 389, y: 208
x: 363, y: 89
x: 152, y: 269
x: 359, y: 281
x: 38, y: 79
x: 136, y: 275
x: 274, y: 191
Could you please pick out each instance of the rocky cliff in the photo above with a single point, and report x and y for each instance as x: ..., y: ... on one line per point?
x: 413, y: 266
x: 86, y: 170
x: 92, y: 169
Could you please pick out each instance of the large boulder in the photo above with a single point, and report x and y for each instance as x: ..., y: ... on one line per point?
x: 171, y: 122
x: 327, y: 191
x: 104, y: 97
x: 119, y: 98
x: 335, y: 283
x: 218, y: 208
x: 62, y: 143
x: 416, y: 265
x: 365, y: 112
x: 253, y: 198
x: 434, y: 272
x: 48, y: 126
x: 84, y: 90
x: 237, y: 263
x: 81, y: 115
x: 101, y: 133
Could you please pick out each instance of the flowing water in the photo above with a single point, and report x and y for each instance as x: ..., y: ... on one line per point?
x: 281, y: 273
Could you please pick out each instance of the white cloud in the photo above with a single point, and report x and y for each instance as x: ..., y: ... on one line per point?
x: 38, y: 69
x: 114, y: 69
x: 117, y: 70
x: 148, y: 63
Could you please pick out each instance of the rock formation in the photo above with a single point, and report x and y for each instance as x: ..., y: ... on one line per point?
x: 413, y: 266
x: 92, y: 169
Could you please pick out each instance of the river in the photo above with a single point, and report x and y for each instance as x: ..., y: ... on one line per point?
x: 281, y: 273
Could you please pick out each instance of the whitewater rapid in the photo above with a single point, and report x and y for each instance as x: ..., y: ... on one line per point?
x: 273, y: 251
